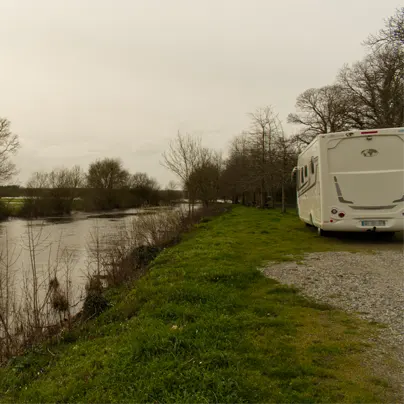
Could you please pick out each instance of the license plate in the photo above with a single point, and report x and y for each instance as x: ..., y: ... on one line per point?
x: 373, y: 223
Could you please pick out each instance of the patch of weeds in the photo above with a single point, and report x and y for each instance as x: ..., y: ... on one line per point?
x: 282, y: 290
x: 379, y: 382
x: 317, y: 305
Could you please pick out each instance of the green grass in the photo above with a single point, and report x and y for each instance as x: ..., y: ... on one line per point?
x: 206, y: 326
x: 12, y: 205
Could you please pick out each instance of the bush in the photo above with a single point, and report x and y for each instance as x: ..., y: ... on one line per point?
x: 45, y: 206
x: 94, y: 305
x: 95, y: 302
x: 4, y: 211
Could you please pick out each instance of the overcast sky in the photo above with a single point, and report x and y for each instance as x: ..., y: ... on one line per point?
x: 86, y: 79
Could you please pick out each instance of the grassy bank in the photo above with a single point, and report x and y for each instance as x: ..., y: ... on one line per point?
x: 205, y: 326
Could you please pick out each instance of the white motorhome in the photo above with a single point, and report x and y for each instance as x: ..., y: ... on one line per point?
x: 353, y: 181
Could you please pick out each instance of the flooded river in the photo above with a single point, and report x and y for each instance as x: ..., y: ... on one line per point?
x: 54, y: 237
x: 58, y: 242
x: 74, y: 233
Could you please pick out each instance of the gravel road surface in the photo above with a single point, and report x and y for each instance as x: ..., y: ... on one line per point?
x: 371, y: 285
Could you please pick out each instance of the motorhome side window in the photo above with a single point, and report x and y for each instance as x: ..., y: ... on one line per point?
x: 306, y: 174
x: 301, y: 176
x: 312, y: 166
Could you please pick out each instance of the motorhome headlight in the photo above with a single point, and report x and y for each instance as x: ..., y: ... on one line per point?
x: 334, y: 211
x: 341, y: 214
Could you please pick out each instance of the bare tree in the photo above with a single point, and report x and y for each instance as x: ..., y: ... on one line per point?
x: 68, y: 180
x: 263, y: 153
x: 392, y: 33
x: 108, y: 179
x: 39, y: 179
x: 9, y: 145
x: 172, y: 185
x: 62, y: 178
x: 320, y: 110
x: 144, y: 188
x: 237, y: 176
x: 107, y: 174
x: 375, y: 89
x: 203, y: 182
x: 53, y: 192
x: 370, y: 94
x: 263, y: 133
x: 286, y: 157
x: 184, y: 154
x: 142, y: 180
x: 8, y: 259
x: 94, y: 247
x: 36, y: 242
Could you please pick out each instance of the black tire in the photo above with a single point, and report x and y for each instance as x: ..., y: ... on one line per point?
x: 387, y: 235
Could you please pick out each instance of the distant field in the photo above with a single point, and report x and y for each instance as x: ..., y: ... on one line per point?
x: 13, y: 199
x: 13, y: 204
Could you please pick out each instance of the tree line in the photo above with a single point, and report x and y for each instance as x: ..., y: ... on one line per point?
x: 107, y: 185
x: 367, y: 94
x: 255, y: 172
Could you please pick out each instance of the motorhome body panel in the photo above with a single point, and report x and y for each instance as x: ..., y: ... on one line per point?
x: 361, y: 177
x: 308, y: 185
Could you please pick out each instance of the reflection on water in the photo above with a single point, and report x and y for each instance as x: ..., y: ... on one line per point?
x: 57, y: 238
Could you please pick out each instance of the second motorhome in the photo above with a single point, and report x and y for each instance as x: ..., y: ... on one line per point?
x: 353, y: 181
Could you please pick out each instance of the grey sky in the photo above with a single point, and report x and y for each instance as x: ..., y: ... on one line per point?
x: 81, y: 80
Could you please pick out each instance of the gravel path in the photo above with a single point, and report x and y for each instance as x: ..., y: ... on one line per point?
x: 370, y: 285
